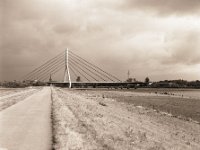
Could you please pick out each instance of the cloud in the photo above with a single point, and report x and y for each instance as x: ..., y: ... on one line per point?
x: 100, y: 31
x: 165, y: 7
x: 184, y: 49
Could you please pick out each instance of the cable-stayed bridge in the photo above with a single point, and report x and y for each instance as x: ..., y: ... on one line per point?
x: 78, y: 72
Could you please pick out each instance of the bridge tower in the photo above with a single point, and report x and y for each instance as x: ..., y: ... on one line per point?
x: 67, y: 73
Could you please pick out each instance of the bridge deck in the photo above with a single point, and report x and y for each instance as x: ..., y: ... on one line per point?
x: 99, y: 85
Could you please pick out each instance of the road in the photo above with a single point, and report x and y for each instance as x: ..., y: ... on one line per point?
x: 27, y: 124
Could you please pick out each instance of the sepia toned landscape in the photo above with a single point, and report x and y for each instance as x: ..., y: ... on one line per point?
x: 99, y: 75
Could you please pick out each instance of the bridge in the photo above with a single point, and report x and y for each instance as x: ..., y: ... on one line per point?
x: 78, y: 72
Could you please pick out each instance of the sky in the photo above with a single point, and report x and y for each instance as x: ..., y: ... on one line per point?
x: 155, y: 38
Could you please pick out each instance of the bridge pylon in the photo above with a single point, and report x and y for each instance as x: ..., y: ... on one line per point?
x: 67, y: 77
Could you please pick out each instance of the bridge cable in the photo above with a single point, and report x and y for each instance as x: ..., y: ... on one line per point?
x: 55, y: 70
x: 72, y: 61
x: 78, y: 62
x: 39, y: 69
x: 27, y: 75
x: 73, y: 72
x: 95, y: 66
x: 49, y: 68
x: 78, y: 71
x: 91, y: 67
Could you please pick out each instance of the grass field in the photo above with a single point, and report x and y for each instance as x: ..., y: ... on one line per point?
x: 115, y: 119
x: 11, y: 96
x: 180, y: 103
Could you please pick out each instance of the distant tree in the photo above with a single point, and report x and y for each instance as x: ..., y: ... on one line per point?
x: 78, y: 79
x: 130, y: 80
x: 147, y: 80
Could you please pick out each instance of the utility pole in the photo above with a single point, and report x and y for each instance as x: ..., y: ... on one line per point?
x: 67, y: 73
x: 128, y: 74
x: 50, y: 79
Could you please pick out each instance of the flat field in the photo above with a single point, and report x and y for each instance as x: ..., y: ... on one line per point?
x: 182, y: 103
x: 121, y: 119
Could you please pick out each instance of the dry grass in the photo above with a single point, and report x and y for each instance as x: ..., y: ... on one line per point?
x: 13, y: 96
x: 89, y: 121
x: 178, y: 106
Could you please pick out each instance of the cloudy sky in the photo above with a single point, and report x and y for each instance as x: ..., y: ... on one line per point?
x: 155, y: 38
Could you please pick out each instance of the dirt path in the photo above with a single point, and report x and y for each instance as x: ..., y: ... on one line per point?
x: 27, y: 124
x: 89, y: 123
